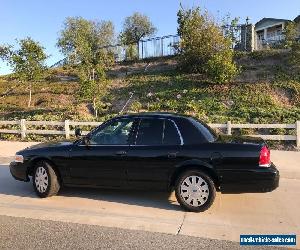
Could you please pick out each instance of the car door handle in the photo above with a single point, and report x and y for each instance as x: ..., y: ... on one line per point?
x: 172, y: 155
x: 121, y: 153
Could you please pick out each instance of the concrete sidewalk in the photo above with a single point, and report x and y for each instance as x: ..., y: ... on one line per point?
x: 9, y: 148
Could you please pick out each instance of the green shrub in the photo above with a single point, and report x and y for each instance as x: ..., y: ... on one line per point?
x: 136, y: 106
x: 220, y: 69
x: 203, y: 47
x: 295, y: 53
x: 293, y: 43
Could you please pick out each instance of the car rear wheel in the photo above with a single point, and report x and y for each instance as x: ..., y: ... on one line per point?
x: 45, y: 180
x: 195, y: 191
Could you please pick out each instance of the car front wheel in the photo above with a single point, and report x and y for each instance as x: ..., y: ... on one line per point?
x: 45, y: 180
x: 195, y: 191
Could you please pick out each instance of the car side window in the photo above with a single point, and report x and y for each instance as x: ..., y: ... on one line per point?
x: 150, y: 132
x: 170, y: 136
x: 115, y: 133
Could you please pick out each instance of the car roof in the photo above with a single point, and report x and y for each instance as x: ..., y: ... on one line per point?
x: 155, y: 114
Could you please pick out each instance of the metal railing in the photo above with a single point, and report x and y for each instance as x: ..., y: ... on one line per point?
x: 155, y: 47
x: 269, y: 42
x: 65, y: 128
x: 145, y: 48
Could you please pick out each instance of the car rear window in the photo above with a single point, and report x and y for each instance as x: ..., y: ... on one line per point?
x: 194, y: 132
x: 205, y: 130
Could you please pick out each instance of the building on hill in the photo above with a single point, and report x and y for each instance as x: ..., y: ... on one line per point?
x: 269, y: 31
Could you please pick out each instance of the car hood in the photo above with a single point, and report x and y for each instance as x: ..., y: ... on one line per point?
x: 50, y: 145
x: 239, y: 139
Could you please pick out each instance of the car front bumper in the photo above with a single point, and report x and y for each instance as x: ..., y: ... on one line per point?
x: 19, y: 171
x: 262, y: 180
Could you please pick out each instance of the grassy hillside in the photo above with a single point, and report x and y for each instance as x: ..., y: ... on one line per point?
x: 262, y: 102
x: 265, y: 92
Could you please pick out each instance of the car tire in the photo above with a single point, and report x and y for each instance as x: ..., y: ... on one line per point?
x: 45, y: 180
x: 195, y: 190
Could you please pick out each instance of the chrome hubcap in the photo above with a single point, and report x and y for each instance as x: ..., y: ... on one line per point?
x: 41, y: 179
x: 194, y: 191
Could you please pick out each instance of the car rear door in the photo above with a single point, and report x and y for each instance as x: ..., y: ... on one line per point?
x: 153, y: 153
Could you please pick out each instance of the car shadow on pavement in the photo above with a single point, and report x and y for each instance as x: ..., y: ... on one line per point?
x: 9, y: 186
x: 161, y: 200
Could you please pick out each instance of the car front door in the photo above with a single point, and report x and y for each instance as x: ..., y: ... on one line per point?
x: 155, y: 151
x: 103, y: 161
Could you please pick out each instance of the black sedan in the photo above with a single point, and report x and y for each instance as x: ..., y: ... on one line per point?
x: 152, y: 151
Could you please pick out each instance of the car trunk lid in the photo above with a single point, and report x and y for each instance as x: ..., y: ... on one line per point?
x: 240, y: 139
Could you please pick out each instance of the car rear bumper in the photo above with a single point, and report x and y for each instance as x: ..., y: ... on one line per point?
x: 19, y: 171
x: 262, y: 180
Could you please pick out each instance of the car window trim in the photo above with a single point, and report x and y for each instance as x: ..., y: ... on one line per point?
x: 135, y: 126
x: 104, y: 145
x: 178, y: 131
x: 163, y: 133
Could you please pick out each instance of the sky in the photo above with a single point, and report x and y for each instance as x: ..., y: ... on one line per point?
x: 42, y: 20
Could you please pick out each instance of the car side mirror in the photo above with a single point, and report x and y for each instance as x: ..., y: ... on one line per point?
x: 78, y: 132
x: 86, y: 140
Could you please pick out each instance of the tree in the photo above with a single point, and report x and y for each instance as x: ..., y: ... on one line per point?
x: 28, y: 62
x: 203, y: 47
x: 292, y: 42
x: 290, y: 32
x: 5, y: 52
x: 136, y: 27
x: 83, y: 43
x: 231, y: 30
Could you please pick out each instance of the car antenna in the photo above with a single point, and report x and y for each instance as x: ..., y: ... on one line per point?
x: 131, y: 95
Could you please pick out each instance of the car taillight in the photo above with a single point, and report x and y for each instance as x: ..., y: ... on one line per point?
x: 264, y: 157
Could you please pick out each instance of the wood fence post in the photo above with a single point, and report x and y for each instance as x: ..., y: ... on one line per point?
x: 67, y: 129
x: 23, y: 128
x: 229, y: 128
x: 298, y: 134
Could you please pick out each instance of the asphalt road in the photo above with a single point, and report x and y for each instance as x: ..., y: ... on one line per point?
x: 20, y: 233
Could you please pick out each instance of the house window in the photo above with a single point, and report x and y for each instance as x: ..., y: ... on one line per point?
x: 260, y: 36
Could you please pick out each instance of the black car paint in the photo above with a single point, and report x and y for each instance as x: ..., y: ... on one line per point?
x: 231, y: 161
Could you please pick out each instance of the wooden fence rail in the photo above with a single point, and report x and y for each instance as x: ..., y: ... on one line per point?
x: 67, y: 131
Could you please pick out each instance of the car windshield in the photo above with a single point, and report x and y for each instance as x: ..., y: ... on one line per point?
x: 206, y: 131
x: 80, y: 140
x: 115, y: 132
